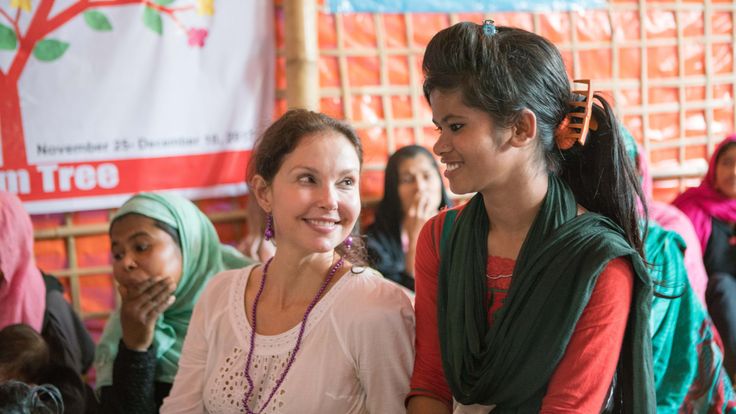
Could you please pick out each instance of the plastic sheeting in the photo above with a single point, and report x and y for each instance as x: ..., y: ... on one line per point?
x: 667, y: 66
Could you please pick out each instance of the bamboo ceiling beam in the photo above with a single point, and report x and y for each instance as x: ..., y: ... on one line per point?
x: 302, y: 54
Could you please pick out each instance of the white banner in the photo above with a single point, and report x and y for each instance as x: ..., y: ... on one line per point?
x: 103, y: 98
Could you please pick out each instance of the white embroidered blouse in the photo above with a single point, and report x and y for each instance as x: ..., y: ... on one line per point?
x: 356, y: 355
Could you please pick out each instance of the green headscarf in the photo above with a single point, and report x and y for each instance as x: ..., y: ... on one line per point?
x: 509, y: 363
x: 203, y: 256
x: 688, y: 363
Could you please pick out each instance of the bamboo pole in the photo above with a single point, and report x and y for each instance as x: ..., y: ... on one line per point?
x: 72, y: 230
x: 302, y: 54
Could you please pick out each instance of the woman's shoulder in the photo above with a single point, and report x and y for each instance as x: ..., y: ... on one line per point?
x: 448, y: 212
x: 225, y: 281
x: 436, y: 222
x: 672, y: 218
x: 432, y: 230
x: 366, y: 288
x: 688, y: 200
x: 368, y: 302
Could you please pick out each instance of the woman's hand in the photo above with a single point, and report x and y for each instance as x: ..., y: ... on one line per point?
x: 142, y: 304
x: 419, y: 212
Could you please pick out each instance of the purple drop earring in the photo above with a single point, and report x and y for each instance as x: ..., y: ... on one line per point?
x: 268, y: 233
x: 348, y: 242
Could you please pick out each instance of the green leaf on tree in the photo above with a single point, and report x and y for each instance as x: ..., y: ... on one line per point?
x: 49, y: 49
x: 163, y: 2
x: 152, y: 20
x: 97, y: 20
x: 8, y: 40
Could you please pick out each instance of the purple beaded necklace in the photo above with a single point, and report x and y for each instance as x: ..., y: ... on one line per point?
x: 246, y: 372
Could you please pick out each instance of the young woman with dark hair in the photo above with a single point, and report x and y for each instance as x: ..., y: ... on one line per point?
x: 412, y: 193
x: 310, y: 331
x: 533, y: 294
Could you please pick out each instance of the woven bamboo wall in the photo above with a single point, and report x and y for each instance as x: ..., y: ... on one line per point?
x: 668, y: 66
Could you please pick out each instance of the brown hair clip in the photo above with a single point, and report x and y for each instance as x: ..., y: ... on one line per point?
x: 574, y: 128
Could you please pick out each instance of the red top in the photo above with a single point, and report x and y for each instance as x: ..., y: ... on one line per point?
x: 581, y: 380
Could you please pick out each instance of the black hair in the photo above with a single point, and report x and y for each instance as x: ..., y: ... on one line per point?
x: 168, y: 229
x: 723, y: 150
x: 389, y: 212
x: 513, y: 70
x: 24, y: 353
x: 282, y: 137
x: 77, y: 395
x: 17, y: 397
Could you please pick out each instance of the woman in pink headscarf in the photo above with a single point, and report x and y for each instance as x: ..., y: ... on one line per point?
x: 22, y: 291
x: 30, y: 298
x: 712, y: 209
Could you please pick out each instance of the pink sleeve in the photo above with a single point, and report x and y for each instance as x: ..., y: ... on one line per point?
x: 583, y: 376
x: 428, y: 377
x: 671, y: 218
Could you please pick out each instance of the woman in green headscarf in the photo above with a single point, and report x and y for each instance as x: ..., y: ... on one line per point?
x: 689, y: 374
x: 164, y: 251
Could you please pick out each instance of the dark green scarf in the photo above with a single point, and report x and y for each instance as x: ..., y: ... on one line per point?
x: 509, y: 363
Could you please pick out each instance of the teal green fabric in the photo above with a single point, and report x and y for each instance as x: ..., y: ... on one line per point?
x: 509, y: 363
x: 663, y: 250
x: 203, y: 256
x: 687, y: 361
x: 629, y: 144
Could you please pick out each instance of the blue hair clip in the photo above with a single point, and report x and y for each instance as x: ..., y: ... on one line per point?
x: 489, y: 28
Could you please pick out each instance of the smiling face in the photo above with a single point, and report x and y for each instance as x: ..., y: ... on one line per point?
x: 725, y: 177
x: 314, y: 197
x: 418, y: 175
x: 470, y: 147
x: 142, y: 251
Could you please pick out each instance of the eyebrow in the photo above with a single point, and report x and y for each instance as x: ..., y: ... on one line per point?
x: 447, y: 117
x: 312, y: 170
x: 133, y: 236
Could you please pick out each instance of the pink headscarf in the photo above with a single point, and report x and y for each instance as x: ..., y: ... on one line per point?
x: 670, y: 218
x: 22, y: 291
x: 704, y: 202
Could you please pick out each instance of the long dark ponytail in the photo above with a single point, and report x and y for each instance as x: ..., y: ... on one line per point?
x: 514, y: 69
x: 603, y: 177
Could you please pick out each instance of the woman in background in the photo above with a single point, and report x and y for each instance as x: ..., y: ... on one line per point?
x: 711, y: 208
x: 688, y: 362
x: 412, y: 193
x: 164, y: 251
x: 28, y: 297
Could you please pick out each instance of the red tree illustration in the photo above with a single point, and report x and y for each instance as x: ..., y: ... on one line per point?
x: 33, y: 40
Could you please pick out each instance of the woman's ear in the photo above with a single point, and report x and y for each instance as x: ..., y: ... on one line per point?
x: 525, y: 129
x: 262, y: 193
